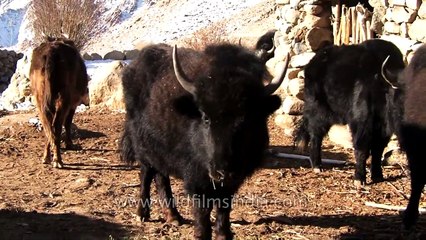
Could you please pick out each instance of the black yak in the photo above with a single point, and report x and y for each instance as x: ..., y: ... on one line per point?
x: 59, y: 84
x: 353, y: 85
x: 412, y: 134
x: 265, y: 46
x: 201, y: 117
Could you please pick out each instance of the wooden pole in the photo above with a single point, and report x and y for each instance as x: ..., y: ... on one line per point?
x: 338, y: 10
x: 354, y: 29
x: 348, y: 26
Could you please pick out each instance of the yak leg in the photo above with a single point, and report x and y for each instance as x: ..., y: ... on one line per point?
x: 378, y: 145
x: 46, y: 121
x: 47, y: 158
x: 411, y: 214
x: 361, y: 143
x: 315, y: 153
x: 317, y: 131
x: 202, y: 223
x: 58, y: 121
x: 165, y: 193
x: 223, y: 224
x: 146, y: 175
x: 68, y: 122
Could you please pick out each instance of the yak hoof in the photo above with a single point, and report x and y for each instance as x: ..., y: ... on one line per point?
x: 71, y: 146
x: 58, y: 164
x: 359, y: 184
x: 174, y: 222
x: 409, y: 220
x: 46, y: 160
x: 317, y: 170
x: 377, y: 179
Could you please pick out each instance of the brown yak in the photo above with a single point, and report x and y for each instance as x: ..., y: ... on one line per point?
x: 59, y: 84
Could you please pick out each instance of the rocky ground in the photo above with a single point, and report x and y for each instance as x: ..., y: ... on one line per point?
x: 94, y: 196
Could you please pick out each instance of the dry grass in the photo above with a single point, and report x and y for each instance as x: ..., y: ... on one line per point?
x: 78, y: 20
x: 212, y: 34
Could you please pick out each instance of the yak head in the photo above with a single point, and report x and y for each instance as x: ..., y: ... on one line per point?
x: 265, y: 46
x: 231, y: 106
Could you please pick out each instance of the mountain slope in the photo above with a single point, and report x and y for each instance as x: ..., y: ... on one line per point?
x: 171, y: 20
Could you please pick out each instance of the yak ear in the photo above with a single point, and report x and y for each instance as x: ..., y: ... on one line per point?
x: 186, y: 105
x: 270, y: 104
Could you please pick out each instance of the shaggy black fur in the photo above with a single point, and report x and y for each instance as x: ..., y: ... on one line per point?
x: 223, y: 128
x: 413, y: 130
x: 344, y: 85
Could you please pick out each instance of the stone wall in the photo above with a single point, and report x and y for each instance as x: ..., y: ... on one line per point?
x: 8, y: 60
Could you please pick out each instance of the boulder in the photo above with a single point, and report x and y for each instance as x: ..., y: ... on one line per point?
x: 392, y: 28
x: 417, y: 31
x: 287, y: 123
x: 87, y: 57
x: 298, y: 61
x: 295, y: 87
x: 115, y: 55
x: 422, y: 11
x: 318, y: 37
x: 402, y: 14
x: 96, y: 56
x: 313, y: 9
x: 105, y: 88
x: 19, y: 89
x: 131, y: 54
x: 292, y: 106
x: 413, y: 4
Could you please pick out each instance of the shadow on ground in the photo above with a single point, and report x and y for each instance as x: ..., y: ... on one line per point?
x: 17, y: 224
x: 359, y: 227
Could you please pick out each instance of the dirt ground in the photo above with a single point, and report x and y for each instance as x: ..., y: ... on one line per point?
x: 94, y: 196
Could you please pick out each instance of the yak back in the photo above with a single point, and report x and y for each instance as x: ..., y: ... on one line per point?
x: 338, y: 77
x: 63, y: 73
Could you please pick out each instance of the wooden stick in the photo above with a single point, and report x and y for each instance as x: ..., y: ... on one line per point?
x: 399, y: 192
x: 368, y: 29
x: 343, y: 24
x: 348, y: 26
x: 391, y: 207
x: 337, y: 23
x: 354, y: 29
x: 301, y: 157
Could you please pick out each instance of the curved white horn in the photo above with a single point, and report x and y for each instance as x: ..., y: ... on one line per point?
x: 180, y: 75
x: 276, y: 82
x: 383, y: 73
x: 271, y: 50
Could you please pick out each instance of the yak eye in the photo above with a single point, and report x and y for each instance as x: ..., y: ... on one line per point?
x: 206, y: 119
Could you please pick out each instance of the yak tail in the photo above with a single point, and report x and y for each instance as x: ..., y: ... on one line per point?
x: 127, y: 153
x: 301, y: 135
x: 47, y: 104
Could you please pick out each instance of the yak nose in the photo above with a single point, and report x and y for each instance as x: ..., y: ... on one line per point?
x: 217, y: 175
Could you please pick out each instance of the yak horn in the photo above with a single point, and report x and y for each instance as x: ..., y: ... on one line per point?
x: 180, y: 75
x: 383, y: 73
x: 271, y: 50
x: 277, y: 80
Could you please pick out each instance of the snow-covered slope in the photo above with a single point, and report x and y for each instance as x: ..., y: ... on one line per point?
x: 138, y: 21
x: 15, y: 27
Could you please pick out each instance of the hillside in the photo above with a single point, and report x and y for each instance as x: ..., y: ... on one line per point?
x: 170, y: 21
x: 129, y: 22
